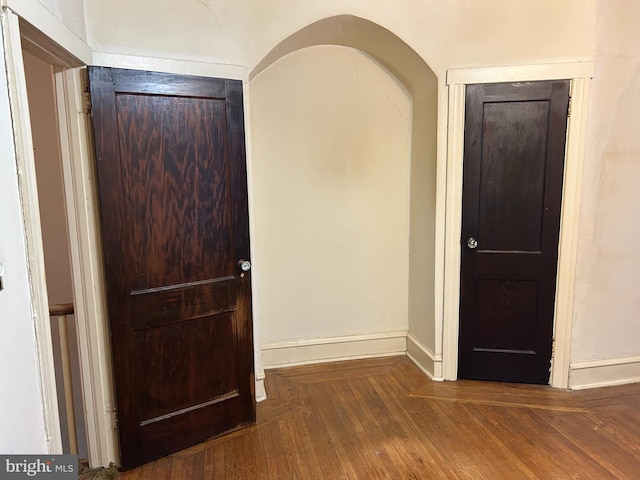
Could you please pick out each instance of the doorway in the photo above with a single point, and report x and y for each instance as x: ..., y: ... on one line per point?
x: 579, y: 74
x: 512, y: 189
x: 55, y: 238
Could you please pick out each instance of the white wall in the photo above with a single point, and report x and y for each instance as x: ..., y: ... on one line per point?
x: 22, y: 428
x: 331, y: 142
x: 607, y: 302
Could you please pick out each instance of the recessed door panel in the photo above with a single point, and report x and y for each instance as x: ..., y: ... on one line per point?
x: 512, y: 192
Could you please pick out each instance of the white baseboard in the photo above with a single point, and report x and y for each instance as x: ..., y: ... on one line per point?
x: 604, y: 373
x: 320, y: 350
x: 424, y: 358
x: 261, y: 393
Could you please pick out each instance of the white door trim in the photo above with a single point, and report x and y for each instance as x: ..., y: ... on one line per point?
x: 579, y: 73
x: 86, y: 263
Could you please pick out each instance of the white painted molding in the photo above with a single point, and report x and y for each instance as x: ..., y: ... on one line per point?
x: 519, y: 73
x: 261, y: 393
x: 94, y: 345
x: 424, y: 358
x: 453, y: 228
x: 28, y: 188
x: 604, y: 373
x: 46, y: 22
x: 167, y: 65
x: 568, y: 241
x: 320, y: 350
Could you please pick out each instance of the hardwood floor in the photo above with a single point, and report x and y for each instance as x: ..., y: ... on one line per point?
x: 382, y: 418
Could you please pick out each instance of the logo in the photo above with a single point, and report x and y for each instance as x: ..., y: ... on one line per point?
x: 50, y: 467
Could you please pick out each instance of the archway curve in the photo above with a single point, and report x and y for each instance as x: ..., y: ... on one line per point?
x: 422, y: 83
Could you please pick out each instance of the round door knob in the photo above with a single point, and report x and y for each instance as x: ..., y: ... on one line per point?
x: 472, y: 243
x: 245, y: 265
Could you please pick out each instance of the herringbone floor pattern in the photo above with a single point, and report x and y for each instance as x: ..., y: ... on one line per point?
x: 383, y: 419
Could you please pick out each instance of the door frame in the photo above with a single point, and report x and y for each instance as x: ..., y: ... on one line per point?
x: 579, y: 73
x: 54, y: 43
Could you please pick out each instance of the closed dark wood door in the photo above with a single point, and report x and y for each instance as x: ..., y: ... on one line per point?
x: 173, y: 203
x: 512, y: 189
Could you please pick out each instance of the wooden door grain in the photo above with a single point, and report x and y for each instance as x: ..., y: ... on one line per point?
x: 512, y: 192
x: 173, y: 202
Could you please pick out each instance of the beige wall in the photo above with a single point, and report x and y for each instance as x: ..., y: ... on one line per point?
x: 607, y: 301
x: 331, y: 143
x: 444, y: 33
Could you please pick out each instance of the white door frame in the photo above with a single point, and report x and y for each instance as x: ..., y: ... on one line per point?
x: 579, y: 73
x: 87, y: 268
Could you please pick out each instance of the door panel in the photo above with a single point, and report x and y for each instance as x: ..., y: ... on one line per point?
x: 173, y: 200
x: 512, y: 190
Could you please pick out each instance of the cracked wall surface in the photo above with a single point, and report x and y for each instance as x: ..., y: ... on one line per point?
x: 70, y: 13
x: 607, y: 300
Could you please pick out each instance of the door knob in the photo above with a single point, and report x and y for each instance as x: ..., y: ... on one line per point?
x: 472, y: 243
x: 244, y: 265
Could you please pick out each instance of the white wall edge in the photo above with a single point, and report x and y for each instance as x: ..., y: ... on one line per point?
x: 37, y: 15
x: 424, y: 358
x: 516, y: 73
x: 28, y: 188
x: 604, y: 373
x: 321, y: 350
x: 94, y: 344
x: 440, y: 266
x: 168, y: 65
x: 569, y: 230
x: 453, y: 228
x: 260, y: 391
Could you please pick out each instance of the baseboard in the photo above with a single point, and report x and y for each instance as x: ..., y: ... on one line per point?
x: 331, y: 349
x: 261, y: 393
x: 604, y: 373
x: 424, y: 358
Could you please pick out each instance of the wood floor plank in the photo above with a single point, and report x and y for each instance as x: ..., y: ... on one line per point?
x: 382, y: 418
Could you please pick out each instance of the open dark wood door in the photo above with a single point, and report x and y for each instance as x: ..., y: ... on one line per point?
x: 173, y: 203
x: 512, y: 190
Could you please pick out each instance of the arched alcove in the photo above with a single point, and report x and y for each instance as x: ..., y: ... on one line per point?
x: 378, y: 50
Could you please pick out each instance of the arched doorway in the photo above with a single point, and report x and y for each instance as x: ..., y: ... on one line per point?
x: 330, y: 259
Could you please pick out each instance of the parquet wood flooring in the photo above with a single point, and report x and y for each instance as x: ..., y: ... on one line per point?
x: 383, y: 419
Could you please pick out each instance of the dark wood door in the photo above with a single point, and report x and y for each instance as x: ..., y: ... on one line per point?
x: 512, y: 189
x: 173, y: 202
